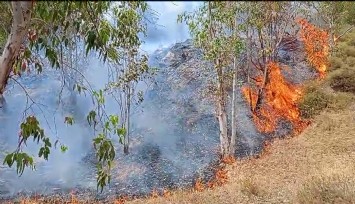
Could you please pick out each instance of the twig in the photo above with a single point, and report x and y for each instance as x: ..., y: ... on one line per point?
x: 31, y: 99
x: 348, y: 30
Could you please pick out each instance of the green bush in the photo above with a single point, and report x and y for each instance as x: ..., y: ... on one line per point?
x: 313, y: 102
x: 343, y: 80
x: 336, y: 63
x: 351, y: 62
x: 316, y: 99
x: 350, y: 51
x: 352, y: 41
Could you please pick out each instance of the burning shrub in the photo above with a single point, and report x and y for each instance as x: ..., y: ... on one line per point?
x: 279, y: 101
x: 316, y: 46
x: 343, y: 80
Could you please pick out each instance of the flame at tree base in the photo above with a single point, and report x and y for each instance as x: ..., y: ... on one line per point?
x: 279, y: 101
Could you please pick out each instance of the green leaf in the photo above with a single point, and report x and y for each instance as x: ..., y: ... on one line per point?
x: 63, y: 148
x: 69, y: 120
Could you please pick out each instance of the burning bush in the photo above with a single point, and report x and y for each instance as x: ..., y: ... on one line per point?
x: 316, y: 46
x: 279, y: 101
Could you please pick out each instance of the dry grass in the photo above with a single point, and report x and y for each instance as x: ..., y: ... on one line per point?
x: 331, y: 187
x: 317, y: 166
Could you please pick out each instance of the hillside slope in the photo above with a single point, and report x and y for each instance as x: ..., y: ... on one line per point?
x: 317, y: 166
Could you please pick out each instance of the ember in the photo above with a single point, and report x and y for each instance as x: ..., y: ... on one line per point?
x: 199, y: 185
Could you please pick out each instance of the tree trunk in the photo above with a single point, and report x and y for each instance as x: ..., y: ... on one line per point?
x: 233, y: 138
x: 222, y: 114
x: 234, y: 117
x: 126, y: 138
x: 2, y: 101
x: 21, y: 20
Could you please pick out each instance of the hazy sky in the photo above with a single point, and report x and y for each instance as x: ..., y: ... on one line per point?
x: 168, y: 31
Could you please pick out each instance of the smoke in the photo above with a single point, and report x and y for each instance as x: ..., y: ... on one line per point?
x: 166, y: 149
x: 165, y: 30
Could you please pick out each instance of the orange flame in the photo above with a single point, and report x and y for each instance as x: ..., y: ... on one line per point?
x: 228, y: 160
x: 166, y: 193
x: 316, y: 42
x: 199, y: 185
x: 280, y: 102
x: 154, y: 194
x: 121, y: 200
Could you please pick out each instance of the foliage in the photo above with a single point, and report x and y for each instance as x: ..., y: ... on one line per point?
x: 343, y: 80
x: 5, y: 23
x: 58, y: 26
x: 29, y: 128
x: 313, y: 101
x: 317, y: 98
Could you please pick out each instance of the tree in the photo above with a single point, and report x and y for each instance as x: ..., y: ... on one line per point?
x: 132, y: 68
x: 333, y: 17
x: 47, y: 29
x: 214, y: 30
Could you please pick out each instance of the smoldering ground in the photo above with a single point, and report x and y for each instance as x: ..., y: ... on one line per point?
x: 174, y: 135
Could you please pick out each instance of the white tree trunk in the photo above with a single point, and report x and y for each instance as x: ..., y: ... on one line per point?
x: 21, y: 19
x: 222, y: 114
x: 234, y: 117
x: 232, y: 145
x: 128, y: 109
x: 223, y: 135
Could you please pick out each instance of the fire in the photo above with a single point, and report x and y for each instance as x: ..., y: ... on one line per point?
x: 73, y: 198
x: 316, y: 42
x: 121, y: 200
x: 220, y: 178
x: 228, y: 160
x: 279, y: 101
x: 199, y: 185
x: 154, y: 194
x: 166, y: 193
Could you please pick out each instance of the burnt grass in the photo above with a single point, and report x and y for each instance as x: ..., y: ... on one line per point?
x: 177, y: 97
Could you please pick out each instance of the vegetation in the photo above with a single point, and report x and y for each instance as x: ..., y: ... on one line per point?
x: 315, y: 167
x: 237, y: 37
x: 50, y: 28
x: 320, y: 96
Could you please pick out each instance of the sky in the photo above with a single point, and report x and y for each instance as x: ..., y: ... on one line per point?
x: 167, y: 31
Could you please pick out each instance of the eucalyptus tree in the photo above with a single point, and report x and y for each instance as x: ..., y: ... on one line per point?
x: 265, y: 25
x: 333, y: 16
x: 214, y: 29
x: 129, y: 70
x: 41, y: 32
